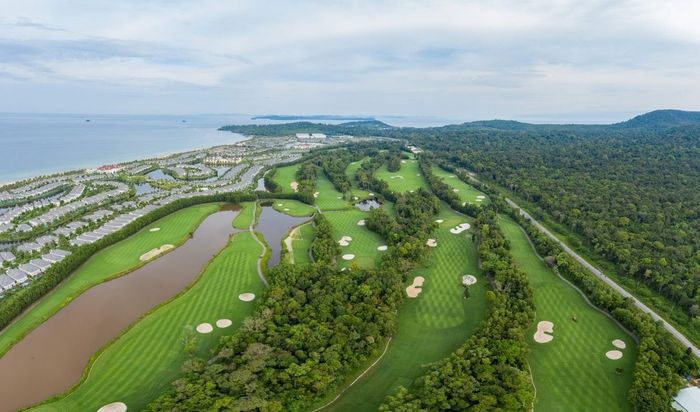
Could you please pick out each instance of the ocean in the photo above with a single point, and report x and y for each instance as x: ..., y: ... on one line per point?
x: 39, y: 144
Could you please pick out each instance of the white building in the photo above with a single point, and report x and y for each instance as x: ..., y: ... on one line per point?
x: 687, y: 400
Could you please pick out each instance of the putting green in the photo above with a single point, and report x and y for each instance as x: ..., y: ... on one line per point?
x: 431, y: 326
x: 284, y: 176
x: 408, y: 178
x: 571, y: 372
x: 111, y: 262
x: 293, y: 207
x: 143, y: 362
x: 466, y: 192
x: 364, y: 242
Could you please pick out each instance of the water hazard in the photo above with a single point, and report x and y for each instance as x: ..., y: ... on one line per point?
x: 53, y: 356
x: 274, y: 226
x: 368, y: 204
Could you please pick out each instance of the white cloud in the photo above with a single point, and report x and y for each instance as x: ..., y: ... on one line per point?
x: 466, y: 59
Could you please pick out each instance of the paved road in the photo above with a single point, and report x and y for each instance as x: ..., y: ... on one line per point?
x: 673, y: 331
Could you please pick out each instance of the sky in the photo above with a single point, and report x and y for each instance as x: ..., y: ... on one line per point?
x: 542, y: 61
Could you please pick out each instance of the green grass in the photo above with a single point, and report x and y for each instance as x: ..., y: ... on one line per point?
x: 364, y: 242
x: 111, y: 262
x: 432, y: 325
x: 466, y: 192
x: 571, y: 372
x: 142, y: 363
x: 328, y: 197
x: 408, y: 178
x: 293, y: 207
x: 245, y: 217
x: 302, y: 237
x: 350, y: 173
x: 284, y: 176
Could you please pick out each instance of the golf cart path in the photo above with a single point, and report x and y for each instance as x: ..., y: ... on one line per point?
x: 619, y: 289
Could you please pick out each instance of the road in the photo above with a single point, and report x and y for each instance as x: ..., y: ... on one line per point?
x: 673, y: 331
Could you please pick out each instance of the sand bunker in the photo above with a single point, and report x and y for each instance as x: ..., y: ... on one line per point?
x: 431, y: 242
x: 223, y: 323
x: 205, y: 328
x: 382, y: 248
x: 345, y: 241
x: 361, y: 222
x: 415, y: 288
x: 468, y: 280
x: 294, y: 186
x: 339, y: 197
x: 348, y: 256
x: 246, y: 297
x: 455, y: 190
x: 280, y: 204
x: 614, y: 354
x: 460, y: 228
x: 479, y: 200
x: 403, y: 161
x: 370, y: 194
x: 113, y: 407
x: 316, y: 194
x: 155, y: 252
x: 154, y: 229
x: 417, y: 174
x: 286, y: 209
x: 438, y: 221
x: 396, y: 177
x: 619, y: 343
x: 543, y: 328
x: 481, y: 197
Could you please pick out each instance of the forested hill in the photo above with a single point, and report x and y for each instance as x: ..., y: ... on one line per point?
x: 660, y: 119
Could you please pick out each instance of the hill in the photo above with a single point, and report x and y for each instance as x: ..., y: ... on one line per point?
x: 662, y: 119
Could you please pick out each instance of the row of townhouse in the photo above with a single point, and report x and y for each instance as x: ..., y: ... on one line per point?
x: 61, y: 211
x: 32, y: 269
x: 111, y: 226
x: 31, y: 190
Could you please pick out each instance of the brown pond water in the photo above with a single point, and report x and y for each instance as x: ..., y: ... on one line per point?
x: 53, y: 356
x: 274, y: 226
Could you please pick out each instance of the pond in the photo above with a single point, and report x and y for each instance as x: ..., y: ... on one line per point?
x: 368, y: 204
x: 52, y: 357
x: 274, y: 226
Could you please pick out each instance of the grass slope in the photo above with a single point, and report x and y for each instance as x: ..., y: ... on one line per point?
x: 293, y: 207
x: 143, y: 362
x: 113, y: 261
x: 301, y: 238
x: 466, y: 192
x: 328, y: 197
x: 432, y: 325
x: 571, y: 372
x: 364, y: 242
x: 245, y: 217
x: 284, y: 176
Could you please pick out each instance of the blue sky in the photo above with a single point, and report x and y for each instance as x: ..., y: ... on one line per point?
x: 554, y: 61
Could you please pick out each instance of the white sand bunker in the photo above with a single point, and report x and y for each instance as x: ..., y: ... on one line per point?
x: 396, y: 177
x: 348, y: 256
x: 154, y: 229
x: 431, y: 242
x: 280, y: 204
x: 294, y: 186
x: 415, y: 288
x: 345, y: 240
x: 403, y: 161
x: 479, y: 200
x: 460, y: 228
x: 481, y: 197
x: 339, y: 197
x: 223, y: 323
x: 286, y: 209
x: 113, y: 407
x: 361, y: 222
x: 619, y: 343
x: 468, y: 280
x: 246, y: 297
x: 370, y: 194
x: 204, y: 328
x: 544, y: 327
x: 155, y: 252
x: 455, y: 190
x: 417, y: 174
x: 613, y: 354
x: 316, y: 194
x: 382, y: 248
x: 438, y: 221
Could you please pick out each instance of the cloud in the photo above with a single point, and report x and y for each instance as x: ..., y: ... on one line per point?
x: 464, y: 59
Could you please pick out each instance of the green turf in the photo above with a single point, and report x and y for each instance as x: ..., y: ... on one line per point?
x: 113, y: 261
x: 350, y: 173
x: 328, y: 197
x: 302, y: 237
x: 466, y: 192
x: 432, y: 325
x: 408, y: 178
x: 571, y: 372
x: 143, y: 362
x: 245, y: 217
x: 364, y: 242
x: 293, y: 207
x: 284, y: 176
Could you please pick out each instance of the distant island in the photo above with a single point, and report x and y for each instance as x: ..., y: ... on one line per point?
x: 312, y: 117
